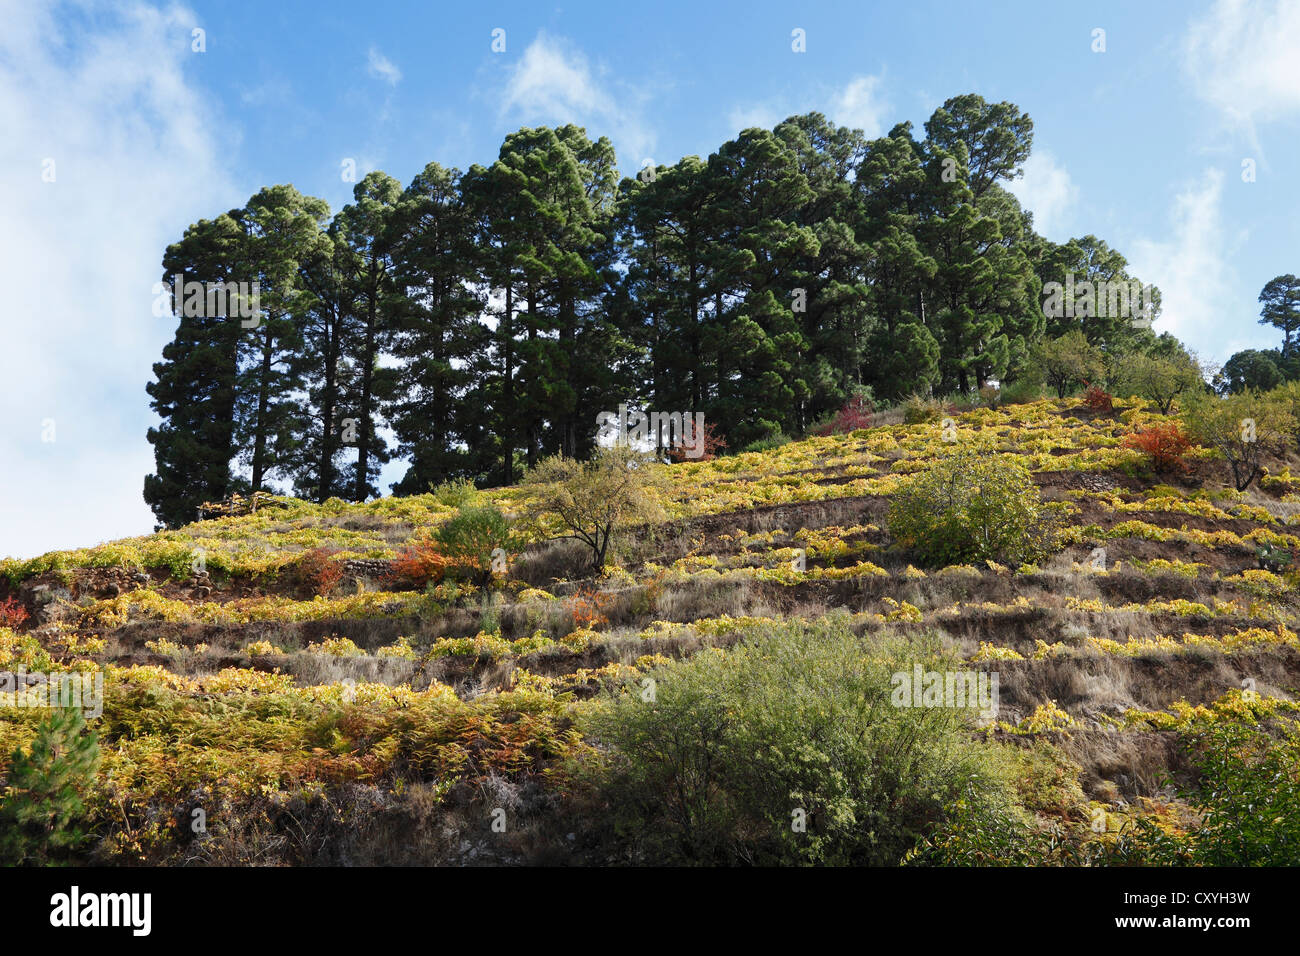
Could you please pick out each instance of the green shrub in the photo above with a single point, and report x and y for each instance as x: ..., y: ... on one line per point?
x: 1248, y: 796
x: 41, y: 816
x: 1067, y: 362
x: 919, y: 409
x: 768, y: 443
x: 1022, y: 391
x: 616, y: 489
x: 1248, y: 799
x: 719, y: 758
x: 1243, y: 428
x: 471, y: 536
x: 977, y: 834
x: 971, y: 505
x: 454, y: 494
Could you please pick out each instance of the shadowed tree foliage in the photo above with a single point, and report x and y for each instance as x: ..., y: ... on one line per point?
x: 363, y: 230
x: 41, y: 817
x: 481, y: 322
x: 1281, y: 309
x: 194, y: 388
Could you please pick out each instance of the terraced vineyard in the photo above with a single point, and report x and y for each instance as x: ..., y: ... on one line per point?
x: 267, y: 674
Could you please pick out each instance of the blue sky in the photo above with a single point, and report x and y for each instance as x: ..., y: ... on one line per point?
x: 1142, y: 145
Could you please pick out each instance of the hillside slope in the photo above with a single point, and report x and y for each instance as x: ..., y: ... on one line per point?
x: 377, y: 724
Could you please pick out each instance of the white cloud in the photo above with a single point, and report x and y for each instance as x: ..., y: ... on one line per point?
x: 554, y: 83
x: 136, y: 158
x: 382, y: 68
x: 1048, y: 192
x: 275, y: 91
x: 857, y: 105
x: 1241, y: 58
x: 1191, y: 270
x: 553, y: 79
x: 860, y: 106
x: 760, y: 116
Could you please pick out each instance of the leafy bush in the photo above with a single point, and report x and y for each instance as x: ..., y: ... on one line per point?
x: 471, y: 536
x: 855, y: 413
x: 706, y: 449
x: 775, y: 440
x: 1249, y: 795
x: 971, y: 506
x: 918, y: 409
x: 12, y: 613
x: 1021, y: 391
x: 1097, y: 399
x: 1287, y: 400
x: 1274, y: 558
x: 590, y: 500
x: 1067, y: 361
x: 1165, y: 445
x: 454, y: 494
x: 1242, y: 428
x: 317, y: 571
x: 40, y: 818
x: 419, y: 565
x: 726, y: 755
x: 990, y: 396
x: 589, y: 606
x: 336, y: 647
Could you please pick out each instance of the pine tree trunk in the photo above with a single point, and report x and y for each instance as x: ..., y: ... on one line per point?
x: 532, y: 341
x: 508, y: 390
x: 367, y: 381
x: 263, y: 404
x: 329, y: 404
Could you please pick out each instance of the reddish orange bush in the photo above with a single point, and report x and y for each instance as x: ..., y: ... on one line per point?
x: 589, y: 607
x: 317, y: 571
x: 711, y: 442
x: 855, y: 414
x: 1098, y: 399
x: 12, y: 614
x: 420, y: 564
x: 1166, y: 445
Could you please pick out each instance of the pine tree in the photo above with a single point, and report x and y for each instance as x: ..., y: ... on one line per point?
x: 984, y: 285
x: 833, y: 314
x: 1281, y: 298
x: 487, y: 197
x: 438, y: 337
x: 670, y: 229
x: 194, y: 390
x: 754, y: 337
x: 902, y: 353
x: 363, y: 230
x: 43, y: 808
x: 325, y: 330
x: 284, y: 230
x: 991, y: 140
x: 589, y: 351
